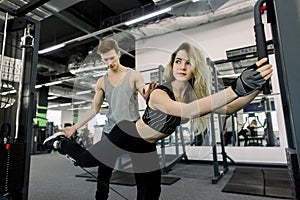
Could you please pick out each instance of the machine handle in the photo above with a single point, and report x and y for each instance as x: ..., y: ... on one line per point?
x: 260, y: 39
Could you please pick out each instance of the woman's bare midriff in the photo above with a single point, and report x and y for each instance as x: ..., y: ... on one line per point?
x: 147, y: 133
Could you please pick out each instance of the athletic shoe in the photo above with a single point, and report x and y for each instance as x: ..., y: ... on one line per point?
x: 52, y: 142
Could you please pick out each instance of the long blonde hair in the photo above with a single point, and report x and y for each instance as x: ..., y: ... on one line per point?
x: 199, y: 83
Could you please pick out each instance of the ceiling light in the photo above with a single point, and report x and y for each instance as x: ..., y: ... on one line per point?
x: 65, y: 104
x: 83, y: 92
x: 80, y: 108
x: 78, y: 102
x: 53, y: 83
x: 8, y: 92
x: 52, y: 48
x: 38, y: 86
x: 52, y: 97
x: 148, y: 16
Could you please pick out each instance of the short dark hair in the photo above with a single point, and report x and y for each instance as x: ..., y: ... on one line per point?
x: 107, y: 45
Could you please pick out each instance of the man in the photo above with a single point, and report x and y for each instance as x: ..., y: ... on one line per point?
x: 228, y: 132
x: 120, y: 87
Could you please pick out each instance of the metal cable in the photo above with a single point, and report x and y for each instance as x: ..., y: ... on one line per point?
x: 118, y: 193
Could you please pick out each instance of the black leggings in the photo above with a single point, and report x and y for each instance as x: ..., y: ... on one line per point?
x: 123, y: 139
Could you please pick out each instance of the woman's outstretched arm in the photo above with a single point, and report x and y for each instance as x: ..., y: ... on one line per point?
x: 266, y: 72
x: 234, y: 97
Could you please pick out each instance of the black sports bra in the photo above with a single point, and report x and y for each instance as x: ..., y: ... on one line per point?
x: 159, y: 120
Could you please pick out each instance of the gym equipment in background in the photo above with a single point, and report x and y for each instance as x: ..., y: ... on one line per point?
x: 17, y: 91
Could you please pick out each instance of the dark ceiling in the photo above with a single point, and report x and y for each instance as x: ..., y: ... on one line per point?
x: 80, y: 19
x: 62, y: 21
x: 66, y: 20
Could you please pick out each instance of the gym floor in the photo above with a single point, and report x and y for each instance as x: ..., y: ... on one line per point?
x: 52, y: 177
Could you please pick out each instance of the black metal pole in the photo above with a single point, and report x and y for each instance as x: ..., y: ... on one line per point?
x: 260, y: 38
x: 262, y: 52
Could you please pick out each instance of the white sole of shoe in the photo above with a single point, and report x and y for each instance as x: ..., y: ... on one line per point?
x: 54, y: 136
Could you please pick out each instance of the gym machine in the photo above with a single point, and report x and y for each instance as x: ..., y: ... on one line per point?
x: 283, y: 17
x: 217, y: 173
x: 19, y: 46
x: 261, y: 51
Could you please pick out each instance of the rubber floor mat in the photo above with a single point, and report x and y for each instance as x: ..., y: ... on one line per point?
x: 260, y: 182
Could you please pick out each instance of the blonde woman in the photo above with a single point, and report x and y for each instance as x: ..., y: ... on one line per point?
x: 184, y: 96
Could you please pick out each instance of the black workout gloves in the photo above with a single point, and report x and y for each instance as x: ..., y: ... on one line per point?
x: 249, y: 81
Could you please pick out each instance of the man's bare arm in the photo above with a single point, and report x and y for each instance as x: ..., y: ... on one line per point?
x: 90, y: 113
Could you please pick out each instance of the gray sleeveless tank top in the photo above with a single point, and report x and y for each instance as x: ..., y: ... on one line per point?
x: 122, y: 100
